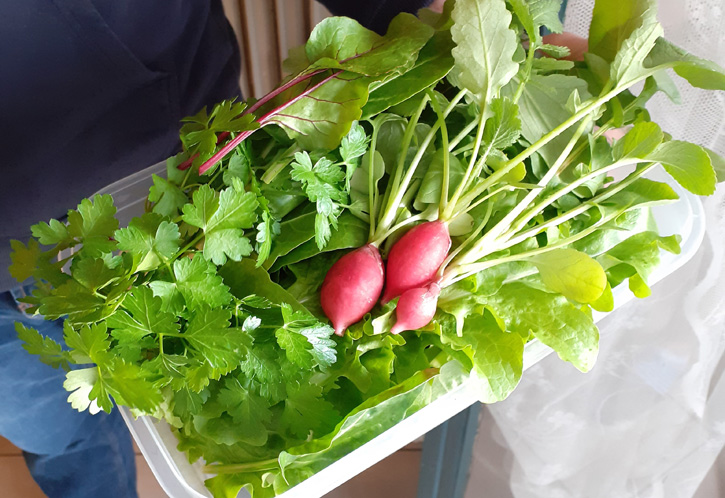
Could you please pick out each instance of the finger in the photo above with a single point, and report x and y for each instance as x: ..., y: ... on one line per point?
x: 578, y: 45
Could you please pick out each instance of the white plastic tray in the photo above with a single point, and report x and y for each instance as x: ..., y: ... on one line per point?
x: 180, y: 479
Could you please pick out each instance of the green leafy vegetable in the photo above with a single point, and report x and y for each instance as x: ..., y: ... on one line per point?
x: 205, y: 311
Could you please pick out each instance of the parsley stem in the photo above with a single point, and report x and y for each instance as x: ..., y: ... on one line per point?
x: 186, y: 178
x: 189, y: 245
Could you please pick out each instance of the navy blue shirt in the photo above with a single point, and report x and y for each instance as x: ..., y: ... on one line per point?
x: 92, y: 91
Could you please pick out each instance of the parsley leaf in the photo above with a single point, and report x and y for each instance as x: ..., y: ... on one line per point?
x: 320, y: 184
x: 168, y: 199
x: 196, y: 283
x: 352, y: 147
x: 150, y: 239
x: 94, y: 224
x: 249, y: 411
x: 307, y: 342
x: 209, y: 333
x: 142, y: 316
x: 222, y: 218
x: 306, y: 411
x: 50, y: 352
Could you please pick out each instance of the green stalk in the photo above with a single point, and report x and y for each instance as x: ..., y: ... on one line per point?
x: 466, y: 242
x: 407, y: 138
x: 527, y: 68
x: 446, y: 155
x: 471, y: 164
x: 581, y: 113
x: 503, y: 224
x: 583, y: 207
x: 529, y: 214
x: 420, y: 216
x: 277, y: 167
x: 462, y: 134
x: 480, y: 200
x: 188, y: 246
x: 394, y: 200
x: 371, y: 180
x: 466, y: 270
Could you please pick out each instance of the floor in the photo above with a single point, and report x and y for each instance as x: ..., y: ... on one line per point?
x: 396, y: 476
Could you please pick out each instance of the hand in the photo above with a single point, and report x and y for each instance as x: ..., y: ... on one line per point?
x: 578, y: 45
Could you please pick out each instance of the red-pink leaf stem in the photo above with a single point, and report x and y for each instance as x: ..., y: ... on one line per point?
x: 264, y: 120
x: 278, y: 90
x: 186, y: 164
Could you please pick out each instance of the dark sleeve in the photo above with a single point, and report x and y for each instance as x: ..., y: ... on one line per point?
x: 374, y: 14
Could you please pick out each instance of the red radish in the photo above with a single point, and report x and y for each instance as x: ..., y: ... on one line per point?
x: 416, y: 308
x: 416, y: 257
x: 352, y: 287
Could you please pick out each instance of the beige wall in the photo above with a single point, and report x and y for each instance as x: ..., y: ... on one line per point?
x: 266, y: 30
